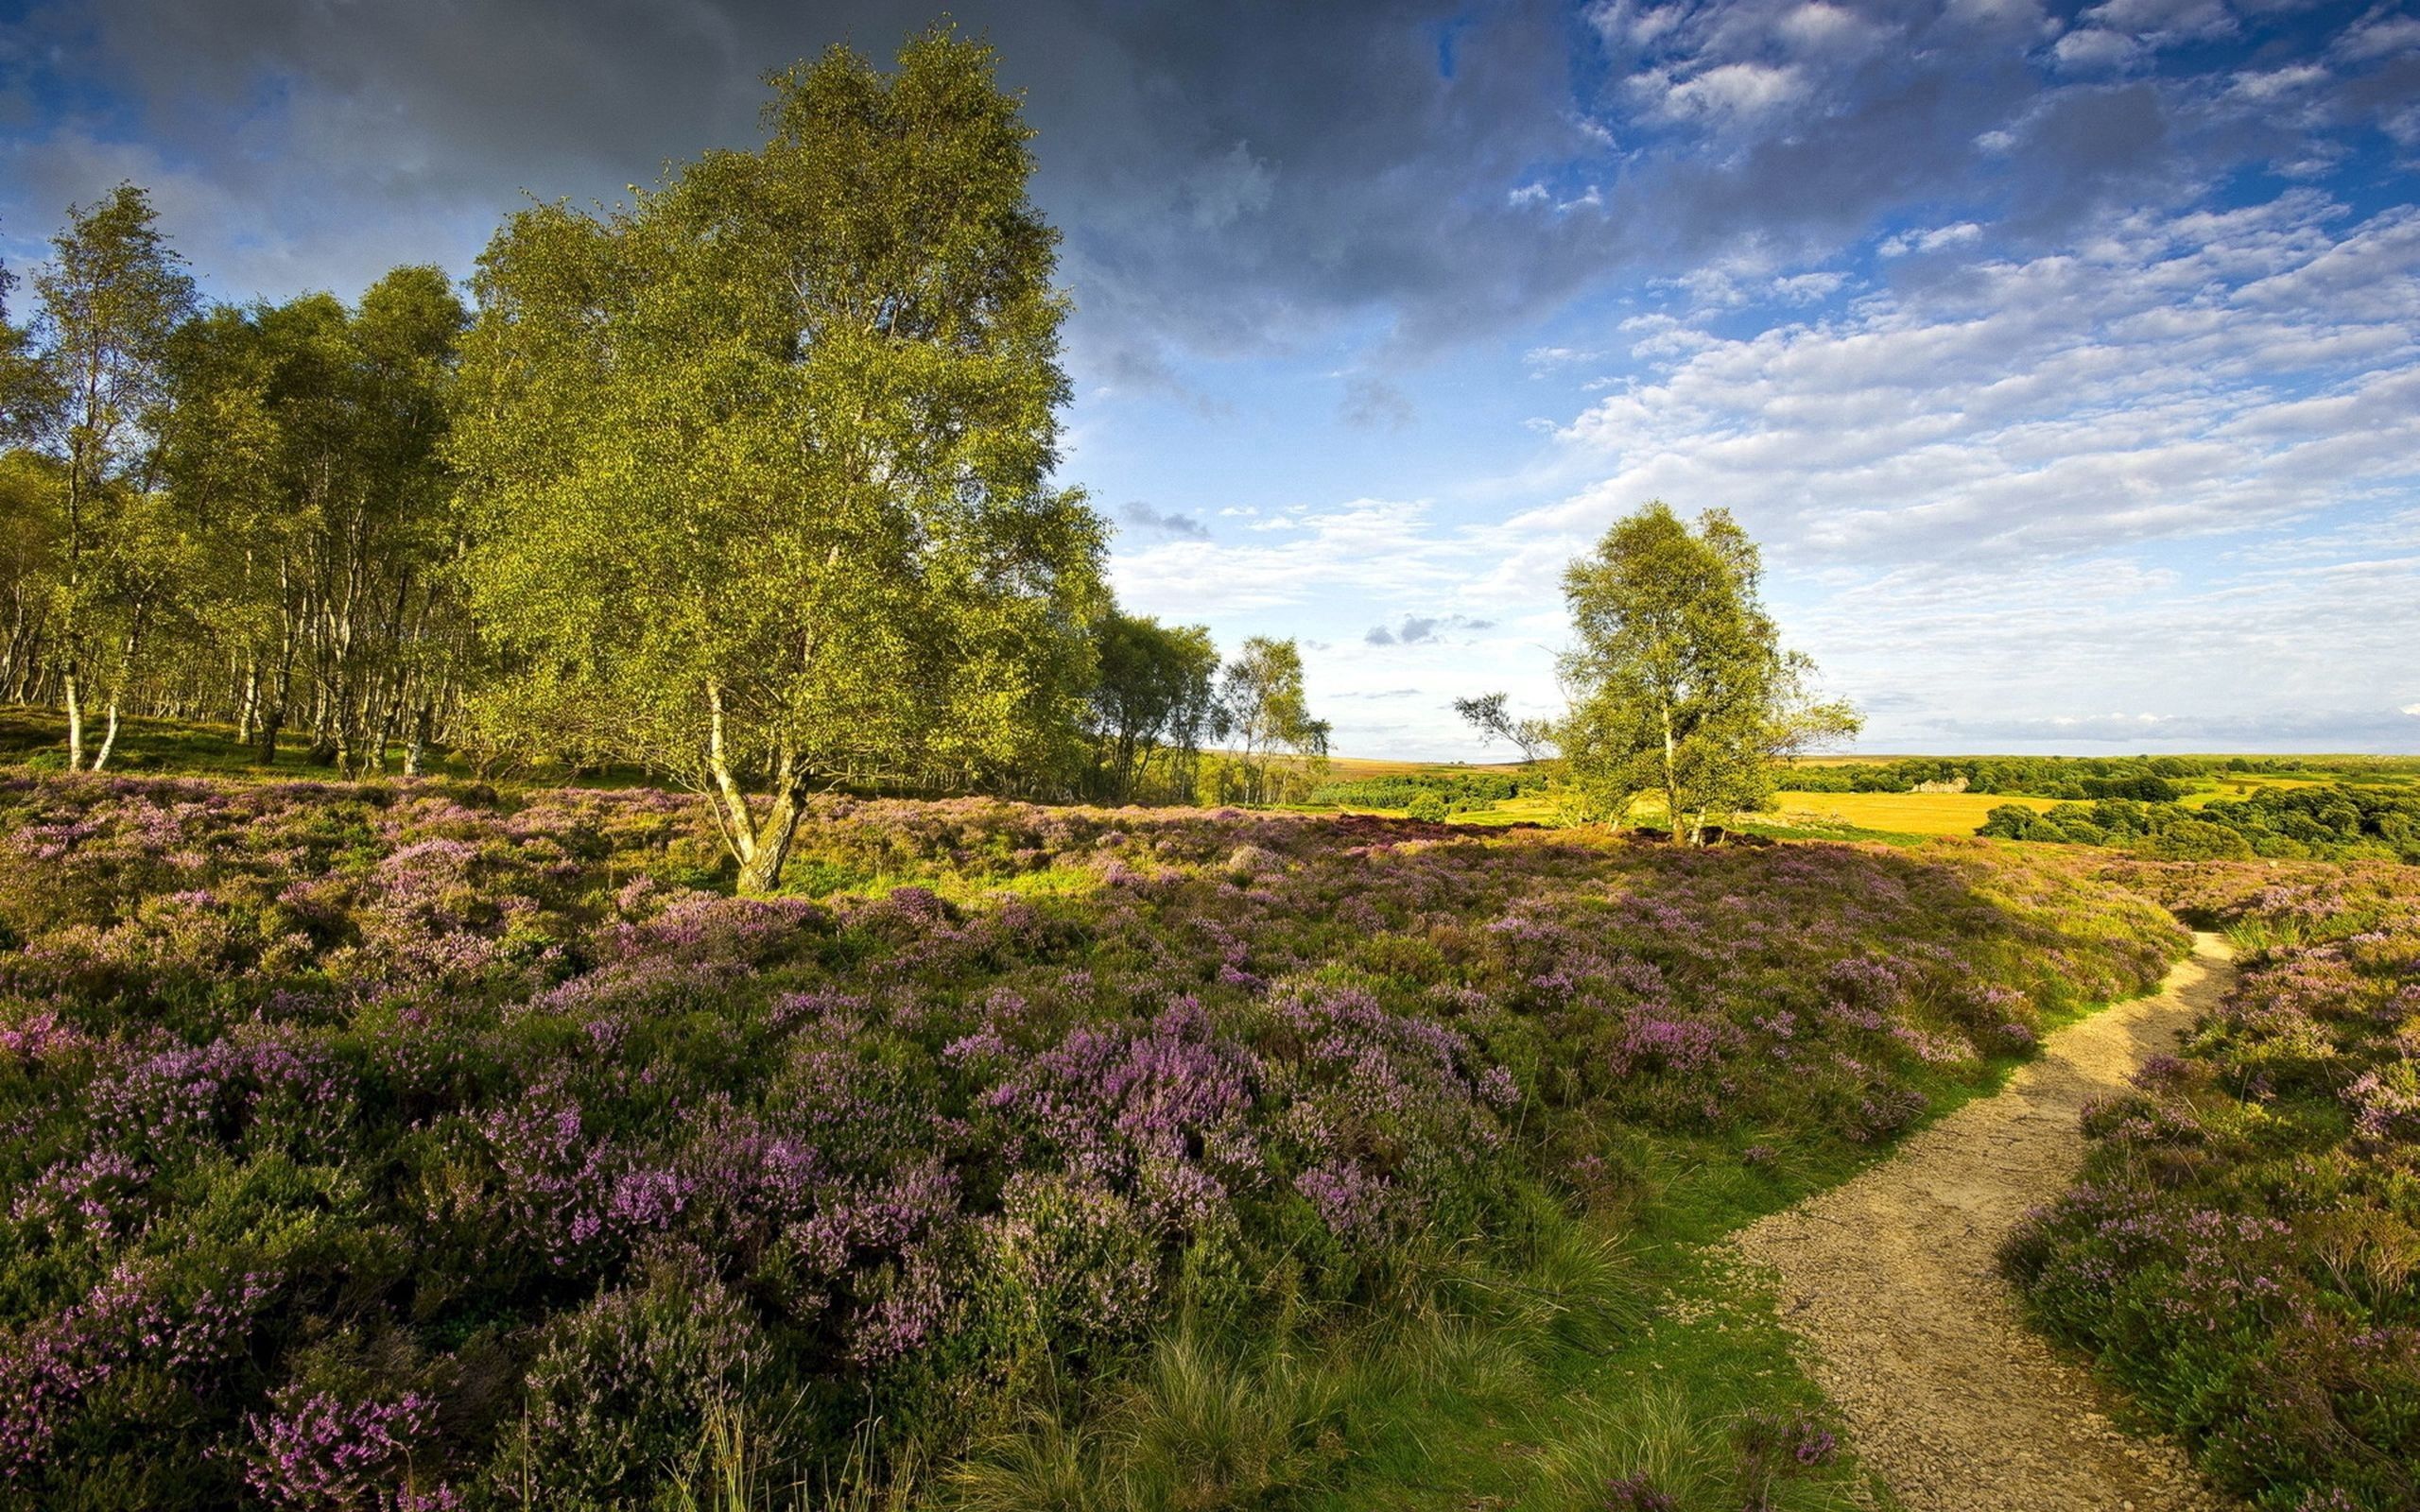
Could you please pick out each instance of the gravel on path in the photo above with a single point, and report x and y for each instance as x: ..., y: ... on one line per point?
x: 1892, y: 1282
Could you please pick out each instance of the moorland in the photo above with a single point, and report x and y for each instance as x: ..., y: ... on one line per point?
x: 436, y: 1142
x: 601, y: 908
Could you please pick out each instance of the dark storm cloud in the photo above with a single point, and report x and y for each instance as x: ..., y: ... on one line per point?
x: 1230, y: 178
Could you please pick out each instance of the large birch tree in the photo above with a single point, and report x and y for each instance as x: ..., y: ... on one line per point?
x: 760, y: 461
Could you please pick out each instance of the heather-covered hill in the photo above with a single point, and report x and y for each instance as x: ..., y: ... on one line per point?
x: 419, y: 1146
x: 2243, y: 1251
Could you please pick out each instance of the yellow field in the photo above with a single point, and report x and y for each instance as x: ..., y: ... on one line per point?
x: 1354, y: 768
x: 1902, y: 812
x: 1894, y: 813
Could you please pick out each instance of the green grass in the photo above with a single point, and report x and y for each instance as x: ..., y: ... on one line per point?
x: 1531, y: 1378
x: 1529, y: 1374
x: 38, y: 738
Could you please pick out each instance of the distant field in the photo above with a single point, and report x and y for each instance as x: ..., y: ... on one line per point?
x: 1353, y: 768
x: 1921, y: 814
x: 1900, y: 812
x: 2232, y: 787
x: 1918, y: 814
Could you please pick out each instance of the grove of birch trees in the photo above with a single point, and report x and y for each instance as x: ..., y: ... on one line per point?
x: 747, y: 483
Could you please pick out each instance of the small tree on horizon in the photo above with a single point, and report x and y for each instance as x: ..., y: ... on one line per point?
x: 1678, y: 683
x: 1266, y: 711
x: 1489, y: 714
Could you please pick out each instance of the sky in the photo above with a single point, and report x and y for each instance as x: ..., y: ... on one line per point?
x: 2064, y: 359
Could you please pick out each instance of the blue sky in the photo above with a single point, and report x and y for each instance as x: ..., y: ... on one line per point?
x: 2064, y: 358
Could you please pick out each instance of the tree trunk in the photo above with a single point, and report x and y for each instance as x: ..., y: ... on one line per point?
x: 75, y: 722
x: 416, y: 746
x: 1671, y: 778
x: 761, y: 872
x: 248, y: 701
x: 109, y: 740
x: 760, y: 847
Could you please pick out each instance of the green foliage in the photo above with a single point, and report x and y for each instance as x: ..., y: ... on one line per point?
x: 2196, y: 840
x: 29, y: 385
x: 112, y: 296
x: 1680, y: 683
x: 452, y: 1119
x: 1458, y: 792
x: 1265, y: 710
x: 303, y: 443
x: 760, y: 461
x: 1154, y: 703
x: 2338, y: 821
x: 2156, y: 779
x: 2242, y: 1250
x: 622, y: 1388
x: 1490, y: 715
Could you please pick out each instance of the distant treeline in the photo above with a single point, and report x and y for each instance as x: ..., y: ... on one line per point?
x: 1418, y: 792
x: 2339, y: 822
x: 2147, y: 778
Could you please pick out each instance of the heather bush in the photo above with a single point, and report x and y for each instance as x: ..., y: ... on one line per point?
x: 475, y: 1148
x: 2243, y: 1251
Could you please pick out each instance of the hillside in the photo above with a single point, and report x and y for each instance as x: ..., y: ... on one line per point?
x: 459, y: 1141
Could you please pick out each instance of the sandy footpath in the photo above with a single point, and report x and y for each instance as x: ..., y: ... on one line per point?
x: 1891, y: 1282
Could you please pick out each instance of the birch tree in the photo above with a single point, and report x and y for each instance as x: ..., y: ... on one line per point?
x: 1154, y: 703
x: 303, y: 443
x: 760, y: 460
x: 1680, y: 686
x: 1266, y: 711
x: 111, y: 297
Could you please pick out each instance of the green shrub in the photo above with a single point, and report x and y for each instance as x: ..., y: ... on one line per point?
x: 2196, y: 840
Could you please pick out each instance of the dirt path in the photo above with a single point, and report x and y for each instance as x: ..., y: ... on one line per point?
x: 1893, y: 1281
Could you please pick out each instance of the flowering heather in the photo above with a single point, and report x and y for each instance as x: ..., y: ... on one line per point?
x: 419, y: 1146
x: 2244, y: 1249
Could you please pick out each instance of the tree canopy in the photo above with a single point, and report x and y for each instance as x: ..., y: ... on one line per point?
x: 1267, y: 711
x: 1680, y: 686
x: 761, y: 460
x: 1154, y: 703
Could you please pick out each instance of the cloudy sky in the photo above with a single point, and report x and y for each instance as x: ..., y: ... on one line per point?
x: 2064, y: 358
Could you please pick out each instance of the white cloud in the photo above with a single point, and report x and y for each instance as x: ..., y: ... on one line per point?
x: 2380, y: 36
x: 1559, y: 356
x: 1627, y: 22
x: 2175, y: 379
x: 2094, y: 50
x: 1820, y: 27
x: 1383, y: 548
x: 2164, y: 472
x: 1724, y: 91
x: 2278, y: 83
x: 1807, y: 288
x: 2164, y: 21
x: 1931, y: 241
